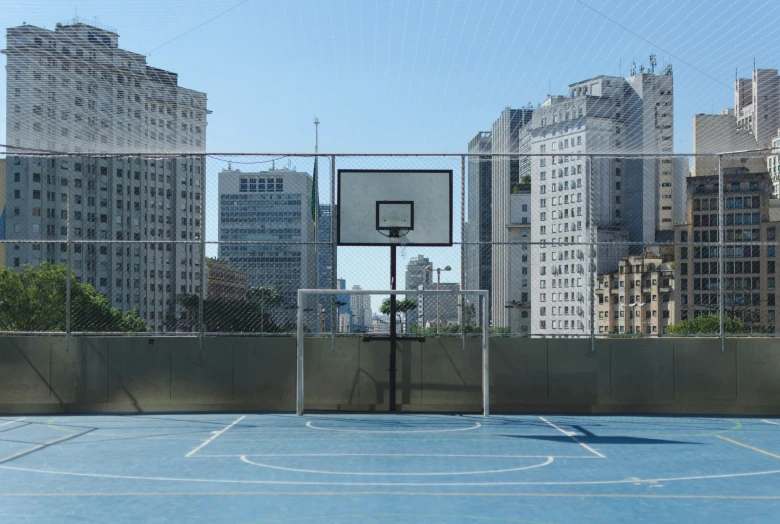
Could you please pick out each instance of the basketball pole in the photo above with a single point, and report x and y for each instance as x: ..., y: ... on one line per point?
x: 391, y: 388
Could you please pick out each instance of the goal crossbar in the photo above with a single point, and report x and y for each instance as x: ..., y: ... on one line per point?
x: 483, y: 297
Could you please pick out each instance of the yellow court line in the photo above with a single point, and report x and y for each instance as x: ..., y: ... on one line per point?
x: 36, y: 448
x: 749, y: 447
x: 397, y: 493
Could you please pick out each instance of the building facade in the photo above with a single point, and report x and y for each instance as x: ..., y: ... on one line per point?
x: 224, y: 282
x: 773, y: 165
x: 622, y: 202
x: 477, y: 251
x: 518, y: 303
x: 74, y: 90
x: 510, y: 135
x: 265, y: 229
x: 750, y: 216
x: 362, y: 316
x: 416, y: 278
x: 638, y: 298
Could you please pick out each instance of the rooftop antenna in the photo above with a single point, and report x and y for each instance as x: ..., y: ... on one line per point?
x: 633, y: 67
x: 653, y: 63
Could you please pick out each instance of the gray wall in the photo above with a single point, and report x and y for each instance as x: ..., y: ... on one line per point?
x: 37, y: 375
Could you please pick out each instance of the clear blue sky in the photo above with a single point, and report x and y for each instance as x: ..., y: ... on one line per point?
x: 417, y: 76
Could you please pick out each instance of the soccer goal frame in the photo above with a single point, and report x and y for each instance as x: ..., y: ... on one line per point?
x: 483, y: 298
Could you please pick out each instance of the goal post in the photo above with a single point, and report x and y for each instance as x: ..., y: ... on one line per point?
x: 484, y: 321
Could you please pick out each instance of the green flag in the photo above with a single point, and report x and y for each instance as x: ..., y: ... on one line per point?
x: 314, y: 198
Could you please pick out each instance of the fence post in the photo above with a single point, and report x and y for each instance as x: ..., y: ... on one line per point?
x: 592, y: 257
x: 203, y: 266
x: 721, y: 238
x: 334, y: 314
x: 69, y: 264
x: 462, y: 251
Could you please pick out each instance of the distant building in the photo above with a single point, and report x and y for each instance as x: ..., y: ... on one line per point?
x: 750, y: 125
x: 442, y: 309
x: 325, y: 250
x: 361, y: 310
x: 773, y: 164
x: 224, y: 282
x: 416, y: 276
x: 270, y: 211
x: 3, y: 212
x: 510, y: 135
x: 638, y: 298
x: 477, y: 250
x: 750, y: 268
x: 344, y: 310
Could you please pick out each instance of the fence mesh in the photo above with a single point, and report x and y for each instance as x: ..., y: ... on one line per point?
x: 567, y: 245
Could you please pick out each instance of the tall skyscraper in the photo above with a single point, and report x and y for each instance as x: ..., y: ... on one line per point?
x: 74, y: 90
x: 270, y: 212
x: 361, y: 310
x: 324, y: 251
x: 477, y: 250
x: 607, y: 199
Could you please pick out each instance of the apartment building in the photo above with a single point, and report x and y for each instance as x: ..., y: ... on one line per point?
x: 638, y: 298
x: 622, y: 203
x: 751, y: 216
x: 360, y: 306
x: 74, y: 90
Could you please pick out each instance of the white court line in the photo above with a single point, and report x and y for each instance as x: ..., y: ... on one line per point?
x: 215, y: 435
x: 392, y: 455
x: 402, y: 473
x: 770, y: 422
x: 11, y: 421
x: 633, y: 480
x: 312, y: 426
x: 571, y: 434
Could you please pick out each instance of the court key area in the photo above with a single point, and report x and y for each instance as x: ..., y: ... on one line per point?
x: 388, y: 468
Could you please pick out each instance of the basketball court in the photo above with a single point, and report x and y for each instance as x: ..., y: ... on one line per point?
x: 387, y: 468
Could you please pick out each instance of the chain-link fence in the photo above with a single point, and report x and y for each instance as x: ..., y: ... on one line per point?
x: 567, y: 245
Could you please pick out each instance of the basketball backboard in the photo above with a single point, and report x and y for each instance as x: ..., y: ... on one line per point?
x: 385, y: 208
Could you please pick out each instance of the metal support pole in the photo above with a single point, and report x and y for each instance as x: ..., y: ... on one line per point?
x: 391, y: 387
x: 592, y: 258
x: 463, y: 251
x: 485, y: 358
x: 202, y: 324
x: 721, y: 238
x: 334, y: 313
x: 69, y: 259
x: 299, y: 367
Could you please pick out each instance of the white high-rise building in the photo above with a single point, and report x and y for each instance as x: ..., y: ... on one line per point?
x: 361, y: 310
x: 73, y: 90
x: 609, y: 199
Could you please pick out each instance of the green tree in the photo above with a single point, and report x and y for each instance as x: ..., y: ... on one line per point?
x: 401, y: 307
x: 35, y: 299
x: 264, y: 298
x: 224, y: 316
x: 706, y: 324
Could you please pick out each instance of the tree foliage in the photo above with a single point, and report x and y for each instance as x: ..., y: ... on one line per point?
x: 706, y: 324
x: 35, y: 299
x: 401, y: 306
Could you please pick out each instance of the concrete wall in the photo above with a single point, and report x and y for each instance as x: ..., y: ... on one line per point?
x: 38, y: 375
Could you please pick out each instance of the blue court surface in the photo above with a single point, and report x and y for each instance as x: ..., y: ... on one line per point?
x: 388, y: 468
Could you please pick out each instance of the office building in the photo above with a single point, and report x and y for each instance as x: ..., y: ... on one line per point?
x: 750, y: 269
x: 638, y: 298
x: 325, y: 259
x: 74, y: 90
x: 477, y: 250
x: 578, y: 199
x: 270, y: 211
x: 344, y: 311
x: 510, y: 135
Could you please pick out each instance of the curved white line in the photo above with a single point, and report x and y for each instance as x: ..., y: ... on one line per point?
x: 401, y: 474
x: 415, y: 484
x: 477, y: 425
